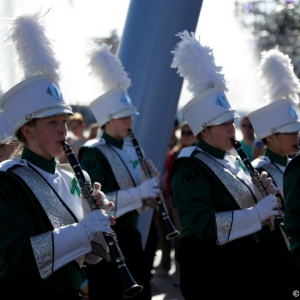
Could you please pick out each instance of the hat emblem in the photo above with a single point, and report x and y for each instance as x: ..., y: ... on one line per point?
x: 221, y: 100
x: 126, y: 100
x: 292, y: 112
x: 54, y: 91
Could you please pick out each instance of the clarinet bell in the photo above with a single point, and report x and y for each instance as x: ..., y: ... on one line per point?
x: 130, y: 287
x: 132, y: 291
x: 172, y: 232
x: 172, y: 235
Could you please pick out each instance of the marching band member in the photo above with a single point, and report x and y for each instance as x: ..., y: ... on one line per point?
x: 45, y: 232
x: 291, y: 189
x: 112, y: 160
x: 280, y: 137
x: 218, y: 206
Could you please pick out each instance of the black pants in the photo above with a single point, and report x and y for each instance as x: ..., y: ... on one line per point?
x: 23, y: 290
x: 274, y: 262
x: 104, y: 279
x: 209, y: 271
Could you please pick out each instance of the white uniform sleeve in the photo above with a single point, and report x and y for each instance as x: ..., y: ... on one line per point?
x: 235, y: 224
x: 125, y: 201
x: 70, y: 242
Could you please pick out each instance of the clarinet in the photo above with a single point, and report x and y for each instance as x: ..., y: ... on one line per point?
x: 172, y: 232
x: 257, y: 181
x: 130, y: 287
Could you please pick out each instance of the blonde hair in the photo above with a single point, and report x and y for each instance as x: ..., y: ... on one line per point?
x: 179, y: 145
x: 76, y: 117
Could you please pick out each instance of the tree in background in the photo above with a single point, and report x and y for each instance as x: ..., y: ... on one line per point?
x: 273, y: 23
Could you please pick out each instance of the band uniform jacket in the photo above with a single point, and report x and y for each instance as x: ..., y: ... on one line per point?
x: 207, y: 186
x: 26, y: 253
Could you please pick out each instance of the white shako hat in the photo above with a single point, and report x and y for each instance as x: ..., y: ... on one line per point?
x: 38, y: 94
x: 35, y: 97
x: 209, y: 105
x: 115, y: 103
x: 280, y: 115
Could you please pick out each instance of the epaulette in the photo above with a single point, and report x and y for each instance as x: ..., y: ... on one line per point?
x: 94, y: 143
x: 260, y: 161
x: 187, y: 151
x: 6, y: 164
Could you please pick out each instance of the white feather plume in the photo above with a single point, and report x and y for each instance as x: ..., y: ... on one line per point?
x: 276, y: 73
x: 108, y: 68
x: 196, y: 64
x: 34, y: 52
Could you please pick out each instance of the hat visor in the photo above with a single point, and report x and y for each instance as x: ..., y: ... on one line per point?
x: 290, y: 128
x: 125, y: 113
x: 54, y: 112
x: 50, y: 112
x: 224, y: 118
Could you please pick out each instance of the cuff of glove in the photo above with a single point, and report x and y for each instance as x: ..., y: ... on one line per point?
x: 232, y: 225
x: 70, y: 242
x: 127, y: 200
x: 245, y: 222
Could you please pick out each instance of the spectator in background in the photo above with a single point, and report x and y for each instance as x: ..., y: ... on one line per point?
x: 248, y: 136
x: 94, y: 130
x: 186, y: 139
x: 174, y: 138
x: 258, y: 149
x: 251, y: 146
x: 76, y: 125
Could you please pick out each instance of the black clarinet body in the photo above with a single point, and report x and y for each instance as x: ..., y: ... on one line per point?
x: 253, y: 172
x: 130, y: 287
x: 257, y: 181
x: 172, y: 232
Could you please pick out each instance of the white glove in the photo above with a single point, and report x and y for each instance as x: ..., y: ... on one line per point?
x: 149, y: 189
x: 68, y: 248
x: 265, y: 207
x: 95, y: 222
